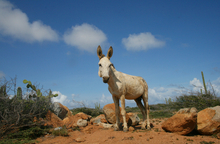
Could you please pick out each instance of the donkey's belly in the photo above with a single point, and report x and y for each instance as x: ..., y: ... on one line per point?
x: 134, y: 93
x: 131, y: 97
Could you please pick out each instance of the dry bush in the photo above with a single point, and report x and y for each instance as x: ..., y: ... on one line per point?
x: 20, y: 112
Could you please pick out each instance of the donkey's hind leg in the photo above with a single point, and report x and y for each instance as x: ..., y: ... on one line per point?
x: 147, y: 108
x: 141, y: 107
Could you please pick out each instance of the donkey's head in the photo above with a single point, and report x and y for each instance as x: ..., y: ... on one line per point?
x: 104, y: 63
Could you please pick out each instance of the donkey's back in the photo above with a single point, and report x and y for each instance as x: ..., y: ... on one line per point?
x: 133, y: 86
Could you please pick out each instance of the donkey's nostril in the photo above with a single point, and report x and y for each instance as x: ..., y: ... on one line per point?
x: 105, y: 79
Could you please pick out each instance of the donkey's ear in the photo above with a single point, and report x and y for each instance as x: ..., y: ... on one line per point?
x: 110, y: 52
x: 99, y: 52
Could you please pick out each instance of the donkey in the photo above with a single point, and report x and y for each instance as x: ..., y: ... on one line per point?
x: 123, y: 86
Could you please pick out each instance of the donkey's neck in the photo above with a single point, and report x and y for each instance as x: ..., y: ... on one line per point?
x: 114, y: 77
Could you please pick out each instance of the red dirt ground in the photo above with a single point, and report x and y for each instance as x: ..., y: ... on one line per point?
x: 98, y: 135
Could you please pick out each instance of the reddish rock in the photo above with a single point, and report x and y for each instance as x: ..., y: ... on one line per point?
x: 109, y: 111
x: 83, y: 116
x: 134, y: 118
x: 60, y: 110
x: 208, y: 121
x: 71, y: 121
x: 69, y: 113
x: 131, y: 128
x: 53, y: 119
x: 183, y: 122
x: 98, y: 119
x: 82, y: 123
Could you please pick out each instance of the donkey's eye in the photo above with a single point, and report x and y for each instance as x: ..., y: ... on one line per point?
x: 100, y: 65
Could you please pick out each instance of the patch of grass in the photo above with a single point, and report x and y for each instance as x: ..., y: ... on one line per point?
x: 88, y: 111
x: 156, y: 130
x: 189, y: 139
x: 132, y: 109
x: 161, y: 114
x: 204, y: 142
x: 157, y: 114
x: 128, y: 138
x: 62, y: 132
x: 76, y: 128
x: 25, y: 135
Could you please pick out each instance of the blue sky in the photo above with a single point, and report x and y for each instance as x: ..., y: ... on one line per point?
x: 53, y: 43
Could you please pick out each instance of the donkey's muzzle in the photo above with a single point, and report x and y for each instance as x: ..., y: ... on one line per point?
x: 105, y: 79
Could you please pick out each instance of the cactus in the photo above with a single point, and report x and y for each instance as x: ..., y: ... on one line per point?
x: 38, y: 92
x: 29, y: 84
x: 19, y: 93
x: 3, y: 91
x: 201, y: 91
x: 52, y: 95
x: 204, y: 82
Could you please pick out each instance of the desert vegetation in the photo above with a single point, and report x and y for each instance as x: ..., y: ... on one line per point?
x: 22, y: 113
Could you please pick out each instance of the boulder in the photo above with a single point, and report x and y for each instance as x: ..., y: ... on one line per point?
x: 183, y: 122
x: 60, y: 110
x: 83, y: 116
x: 53, y: 120
x: 109, y: 111
x: 82, y: 123
x: 208, y: 121
x: 134, y: 118
x: 71, y: 121
x: 98, y: 119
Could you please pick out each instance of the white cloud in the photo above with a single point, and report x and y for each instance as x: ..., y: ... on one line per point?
x: 142, y: 41
x: 197, y: 85
x: 1, y: 74
x: 105, y: 100
x: 216, y: 86
x: 15, y: 23
x: 85, y: 37
x: 70, y: 103
x: 60, y: 98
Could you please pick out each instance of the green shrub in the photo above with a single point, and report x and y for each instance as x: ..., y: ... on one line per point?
x: 88, y: 111
x: 161, y: 114
x: 204, y: 142
x: 199, y: 101
x: 25, y: 135
x: 61, y: 132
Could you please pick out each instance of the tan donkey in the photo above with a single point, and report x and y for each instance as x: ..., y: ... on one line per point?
x: 123, y: 86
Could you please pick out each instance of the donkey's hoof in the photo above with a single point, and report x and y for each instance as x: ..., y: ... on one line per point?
x: 116, y: 129
x: 125, y: 129
x: 148, y: 128
x: 143, y: 128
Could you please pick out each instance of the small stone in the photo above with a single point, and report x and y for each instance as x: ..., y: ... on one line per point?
x: 131, y: 128
x: 107, y: 126
x: 82, y: 123
x: 58, y: 128
x: 80, y: 139
x: 218, y: 135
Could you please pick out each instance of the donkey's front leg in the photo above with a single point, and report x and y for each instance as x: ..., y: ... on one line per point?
x: 117, y: 112
x: 123, y: 113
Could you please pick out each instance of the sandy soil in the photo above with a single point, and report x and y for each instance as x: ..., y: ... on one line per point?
x: 98, y: 135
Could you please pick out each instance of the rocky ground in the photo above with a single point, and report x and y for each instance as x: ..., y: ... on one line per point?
x: 94, y: 134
